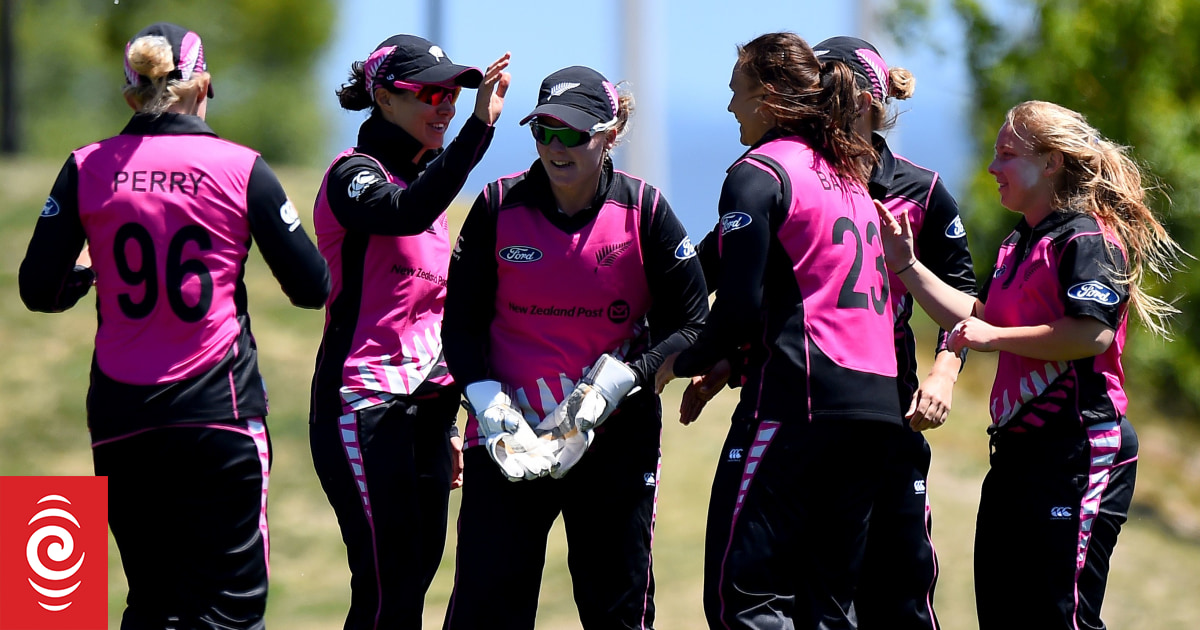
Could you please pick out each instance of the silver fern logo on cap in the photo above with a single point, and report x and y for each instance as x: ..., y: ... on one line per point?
x: 559, y: 88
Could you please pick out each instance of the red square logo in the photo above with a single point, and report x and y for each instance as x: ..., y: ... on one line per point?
x: 53, y: 553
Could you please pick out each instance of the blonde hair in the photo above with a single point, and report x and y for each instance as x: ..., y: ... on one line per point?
x: 625, y: 108
x: 151, y: 56
x: 901, y: 85
x: 1099, y: 178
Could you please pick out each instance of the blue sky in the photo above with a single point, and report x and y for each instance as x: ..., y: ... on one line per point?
x: 679, y: 66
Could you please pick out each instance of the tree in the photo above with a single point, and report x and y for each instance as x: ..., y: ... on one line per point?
x: 262, y: 55
x: 1133, y: 68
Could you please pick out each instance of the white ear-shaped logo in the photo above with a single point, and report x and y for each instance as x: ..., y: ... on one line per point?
x: 436, y: 51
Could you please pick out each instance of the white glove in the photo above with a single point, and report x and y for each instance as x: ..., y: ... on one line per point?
x: 509, y: 440
x: 602, y: 387
x: 568, y: 442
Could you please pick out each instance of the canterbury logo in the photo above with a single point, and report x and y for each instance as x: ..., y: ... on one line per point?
x: 919, y: 486
x: 559, y: 88
x: 735, y: 454
x: 607, y: 255
x: 1060, y: 513
x: 359, y: 184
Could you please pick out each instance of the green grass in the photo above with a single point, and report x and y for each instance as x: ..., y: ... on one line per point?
x: 43, y: 378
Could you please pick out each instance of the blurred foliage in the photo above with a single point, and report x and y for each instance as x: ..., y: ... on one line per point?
x: 262, y: 55
x: 1133, y: 68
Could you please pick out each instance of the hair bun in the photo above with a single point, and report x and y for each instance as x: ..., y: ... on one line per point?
x: 151, y: 56
x: 903, y: 83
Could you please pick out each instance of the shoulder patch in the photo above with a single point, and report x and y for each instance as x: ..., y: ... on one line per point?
x: 289, y: 216
x: 956, y: 229
x: 360, y: 182
x: 50, y: 208
x: 734, y: 221
x: 685, y: 250
x: 1093, y: 291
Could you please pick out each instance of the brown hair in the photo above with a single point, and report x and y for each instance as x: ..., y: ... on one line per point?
x: 1099, y: 178
x: 810, y: 99
x: 151, y: 56
x: 353, y: 96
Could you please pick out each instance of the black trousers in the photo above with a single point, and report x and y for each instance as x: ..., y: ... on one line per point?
x: 386, y: 472
x: 1049, y: 516
x: 900, y: 568
x: 187, y: 506
x: 607, y: 502
x: 787, y: 522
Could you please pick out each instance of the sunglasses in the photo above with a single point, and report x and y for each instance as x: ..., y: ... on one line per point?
x: 567, y: 136
x: 431, y: 94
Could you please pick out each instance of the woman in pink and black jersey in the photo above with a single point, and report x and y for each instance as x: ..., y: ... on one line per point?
x: 1063, y: 453
x: 900, y: 568
x: 176, y: 406
x: 569, y: 284
x: 802, y: 300
x: 383, y: 404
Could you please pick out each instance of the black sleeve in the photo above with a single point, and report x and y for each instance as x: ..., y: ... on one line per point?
x: 748, y: 198
x: 291, y: 255
x: 943, y: 246
x: 49, y: 281
x: 362, y: 198
x: 471, y: 296
x: 709, y: 253
x: 1089, y: 269
x: 679, y: 297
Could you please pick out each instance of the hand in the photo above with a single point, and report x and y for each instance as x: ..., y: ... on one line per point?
x: 701, y: 390
x: 931, y: 403
x: 665, y: 374
x: 568, y: 451
x: 897, y: 236
x: 85, y: 257
x: 509, y: 440
x: 489, y: 99
x: 456, y: 462
x: 973, y: 333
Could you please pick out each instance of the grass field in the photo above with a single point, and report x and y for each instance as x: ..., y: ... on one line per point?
x: 43, y: 378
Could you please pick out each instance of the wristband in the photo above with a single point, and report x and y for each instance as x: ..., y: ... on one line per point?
x: 906, y: 267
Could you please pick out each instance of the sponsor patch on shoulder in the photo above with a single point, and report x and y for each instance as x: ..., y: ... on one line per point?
x: 734, y: 221
x: 520, y: 254
x: 685, y: 250
x: 956, y: 229
x: 289, y: 216
x: 359, y: 183
x: 999, y: 271
x: 51, y: 208
x: 1093, y: 291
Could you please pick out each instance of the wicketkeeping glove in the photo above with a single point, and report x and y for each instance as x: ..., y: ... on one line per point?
x: 509, y: 440
x: 568, y: 442
x: 602, y: 389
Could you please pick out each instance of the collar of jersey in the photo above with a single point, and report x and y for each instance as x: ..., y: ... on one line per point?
x: 537, y: 194
x: 884, y: 171
x: 166, y: 124
x: 392, y: 146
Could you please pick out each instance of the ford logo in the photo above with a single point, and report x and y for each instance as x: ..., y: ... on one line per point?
x: 1093, y: 292
x: 955, y: 229
x: 685, y: 250
x: 520, y: 254
x: 734, y: 221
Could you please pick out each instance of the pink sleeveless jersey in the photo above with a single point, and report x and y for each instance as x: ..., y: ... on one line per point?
x: 400, y: 288
x: 166, y: 222
x: 1035, y: 390
x: 831, y: 235
x: 562, y: 300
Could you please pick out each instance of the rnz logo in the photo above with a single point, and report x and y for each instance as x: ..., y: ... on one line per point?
x: 55, y: 513
x: 53, y: 553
